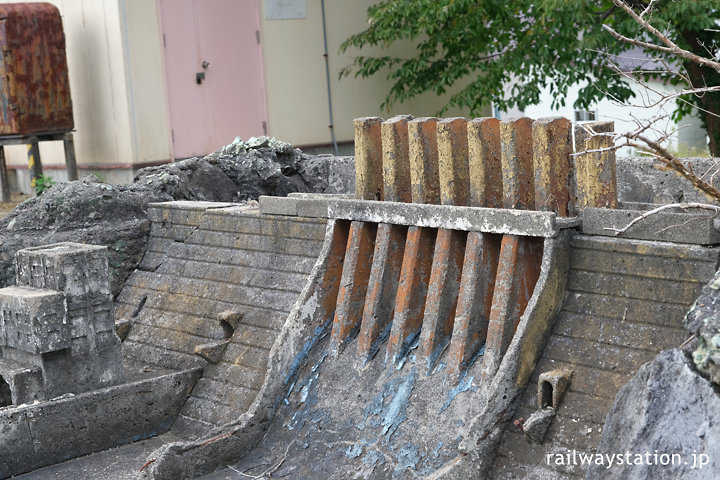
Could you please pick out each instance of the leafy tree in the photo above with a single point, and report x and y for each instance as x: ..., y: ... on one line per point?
x: 529, y: 45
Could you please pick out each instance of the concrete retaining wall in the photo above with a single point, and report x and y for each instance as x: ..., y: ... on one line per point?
x: 36, y: 435
x: 207, y: 263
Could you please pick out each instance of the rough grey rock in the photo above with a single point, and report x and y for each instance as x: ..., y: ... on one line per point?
x: 85, y: 211
x: 703, y: 320
x: 88, y: 211
x: 537, y: 424
x: 666, y: 409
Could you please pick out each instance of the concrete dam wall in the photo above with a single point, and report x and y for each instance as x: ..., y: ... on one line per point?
x: 450, y: 320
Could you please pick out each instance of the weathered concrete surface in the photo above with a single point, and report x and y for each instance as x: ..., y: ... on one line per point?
x: 45, y: 433
x: 306, y: 324
x: 624, y: 303
x: 119, y: 463
x: 206, y: 261
x: 499, y: 396
x: 640, y: 179
x: 491, y: 220
x: 667, y: 410
x: 690, y: 226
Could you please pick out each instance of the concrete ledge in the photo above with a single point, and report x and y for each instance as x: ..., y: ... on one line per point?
x: 46, y: 433
x: 313, y: 205
x: 694, y: 227
x: 471, y: 219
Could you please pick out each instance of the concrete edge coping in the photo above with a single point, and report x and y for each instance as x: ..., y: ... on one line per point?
x: 193, y: 205
x: 678, y: 226
x: 471, y: 219
x: 492, y: 220
x: 111, y: 391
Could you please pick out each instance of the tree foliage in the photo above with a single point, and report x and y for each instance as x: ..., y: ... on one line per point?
x: 527, y: 45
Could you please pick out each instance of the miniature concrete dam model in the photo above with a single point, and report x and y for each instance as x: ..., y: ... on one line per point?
x: 469, y: 311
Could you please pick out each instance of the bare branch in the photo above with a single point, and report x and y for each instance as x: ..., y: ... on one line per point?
x: 671, y: 47
x: 654, y: 211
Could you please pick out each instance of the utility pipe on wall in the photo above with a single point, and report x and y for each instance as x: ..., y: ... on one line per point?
x: 327, y: 78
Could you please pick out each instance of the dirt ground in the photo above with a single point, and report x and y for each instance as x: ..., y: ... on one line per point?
x: 15, y: 198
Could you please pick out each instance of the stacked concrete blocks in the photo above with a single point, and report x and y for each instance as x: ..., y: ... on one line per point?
x: 58, y: 321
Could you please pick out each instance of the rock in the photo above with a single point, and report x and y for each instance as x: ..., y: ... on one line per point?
x: 88, y: 211
x: 703, y: 320
x: 668, y: 411
x: 537, y: 424
x: 84, y: 211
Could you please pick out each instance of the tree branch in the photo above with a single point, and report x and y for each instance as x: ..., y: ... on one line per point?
x: 654, y: 211
x: 671, y: 46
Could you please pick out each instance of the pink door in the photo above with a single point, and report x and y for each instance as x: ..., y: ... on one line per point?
x: 214, y: 73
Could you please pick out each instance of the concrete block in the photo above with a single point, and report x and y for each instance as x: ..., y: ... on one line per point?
x: 278, y: 205
x: 552, y: 161
x: 396, y: 159
x: 517, y: 163
x: 694, y: 227
x: 484, y: 162
x: 424, y: 176
x: 596, y: 174
x: 72, y: 268
x: 354, y: 281
x: 17, y: 454
x: 368, y: 158
x: 453, y: 169
x: 46, y: 433
x: 25, y: 382
x: 316, y: 207
x: 33, y: 320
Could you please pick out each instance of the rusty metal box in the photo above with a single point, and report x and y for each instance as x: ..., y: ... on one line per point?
x: 34, y: 85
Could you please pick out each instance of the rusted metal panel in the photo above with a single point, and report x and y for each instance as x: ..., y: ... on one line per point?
x: 34, y: 84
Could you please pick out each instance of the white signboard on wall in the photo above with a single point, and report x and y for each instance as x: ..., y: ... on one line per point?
x: 285, y: 9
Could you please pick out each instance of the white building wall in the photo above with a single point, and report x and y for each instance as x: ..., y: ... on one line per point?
x: 689, y: 136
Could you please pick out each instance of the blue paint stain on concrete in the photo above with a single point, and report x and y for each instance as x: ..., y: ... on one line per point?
x: 372, y: 457
x: 436, y: 452
x: 410, y: 343
x: 318, y: 333
x: 144, y: 436
x: 407, y: 458
x: 464, y: 385
x: 390, y: 414
x: 354, y: 451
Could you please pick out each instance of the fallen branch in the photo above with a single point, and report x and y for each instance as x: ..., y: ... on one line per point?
x: 649, y: 213
x: 148, y: 463
x: 267, y: 473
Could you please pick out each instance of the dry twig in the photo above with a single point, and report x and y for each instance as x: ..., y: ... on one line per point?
x: 654, y: 211
x: 267, y: 473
